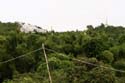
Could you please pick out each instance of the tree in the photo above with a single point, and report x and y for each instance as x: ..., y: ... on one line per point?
x: 107, y: 56
x: 120, y: 64
x: 94, y: 47
x: 101, y: 75
x: 122, y: 39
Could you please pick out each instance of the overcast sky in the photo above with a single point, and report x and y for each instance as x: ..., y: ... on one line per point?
x: 69, y: 14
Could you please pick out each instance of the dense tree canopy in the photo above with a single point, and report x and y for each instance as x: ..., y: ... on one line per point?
x: 97, y: 45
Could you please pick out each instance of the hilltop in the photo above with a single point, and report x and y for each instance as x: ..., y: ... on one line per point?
x: 20, y: 26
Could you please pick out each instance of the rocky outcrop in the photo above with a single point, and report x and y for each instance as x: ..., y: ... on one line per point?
x: 31, y: 28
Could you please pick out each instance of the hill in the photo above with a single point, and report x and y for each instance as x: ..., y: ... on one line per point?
x: 19, y: 26
x: 96, y: 55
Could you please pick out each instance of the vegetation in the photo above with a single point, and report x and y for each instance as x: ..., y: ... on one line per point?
x: 99, y: 45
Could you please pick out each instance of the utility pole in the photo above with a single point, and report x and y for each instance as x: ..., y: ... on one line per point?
x: 52, y: 31
x: 106, y: 23
x: 50, y: 78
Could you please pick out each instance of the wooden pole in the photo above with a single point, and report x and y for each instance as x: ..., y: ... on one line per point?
x: 50, y: 78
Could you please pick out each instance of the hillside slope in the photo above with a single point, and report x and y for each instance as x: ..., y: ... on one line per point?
x: 96, y: 55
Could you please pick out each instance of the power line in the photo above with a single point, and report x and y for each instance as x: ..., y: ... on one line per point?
x: 99, y: 65
x: 55, y: 52
x: 61, y: 55
x: 113, y: 69
x: 20, y: 56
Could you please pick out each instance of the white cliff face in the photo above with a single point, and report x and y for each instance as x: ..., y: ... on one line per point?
x: 31, y: 28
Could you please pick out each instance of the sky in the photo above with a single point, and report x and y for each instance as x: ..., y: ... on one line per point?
x: 63, y: 15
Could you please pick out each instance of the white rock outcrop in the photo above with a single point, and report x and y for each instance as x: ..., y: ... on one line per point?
x: 31, y: 28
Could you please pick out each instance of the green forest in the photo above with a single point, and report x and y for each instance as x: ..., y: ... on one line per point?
x: 95, y: 55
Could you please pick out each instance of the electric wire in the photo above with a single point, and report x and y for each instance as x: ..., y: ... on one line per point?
x: 85, y: 62
x: 12, y: 59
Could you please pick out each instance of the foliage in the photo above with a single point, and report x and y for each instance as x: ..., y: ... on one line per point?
x: 107, y: 56
x: 101, y: 45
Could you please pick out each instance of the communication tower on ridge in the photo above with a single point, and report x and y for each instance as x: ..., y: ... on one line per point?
x: 106, y: 23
